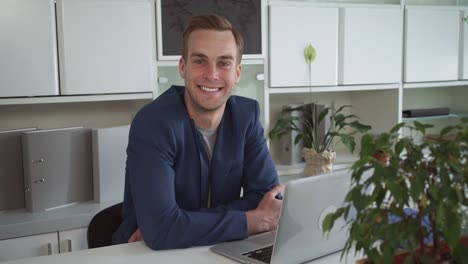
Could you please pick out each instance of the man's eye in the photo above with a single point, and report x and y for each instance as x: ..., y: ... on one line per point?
x: 198, y: 61
x: 225, y: 64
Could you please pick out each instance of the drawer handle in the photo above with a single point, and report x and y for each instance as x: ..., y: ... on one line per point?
x: 69, y: 245
x: 49, y: 248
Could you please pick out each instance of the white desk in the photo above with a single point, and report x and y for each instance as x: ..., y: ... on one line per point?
x: 139, y: 253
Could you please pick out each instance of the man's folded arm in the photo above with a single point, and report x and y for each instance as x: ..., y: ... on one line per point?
x: 163, y: 224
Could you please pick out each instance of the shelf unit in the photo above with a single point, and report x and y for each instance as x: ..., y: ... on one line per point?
x: 378, y: 104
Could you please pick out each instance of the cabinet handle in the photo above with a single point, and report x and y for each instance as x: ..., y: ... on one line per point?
x: 40, y: 181
x: 49, y: 248
x: 465, y: 19
x: 69, y: 245
x: 41, y: 160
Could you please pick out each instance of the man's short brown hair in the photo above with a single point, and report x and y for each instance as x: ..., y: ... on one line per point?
x: 214, y: 22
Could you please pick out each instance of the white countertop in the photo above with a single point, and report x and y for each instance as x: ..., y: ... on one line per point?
x: 18, y: 223
x: 139, y: 253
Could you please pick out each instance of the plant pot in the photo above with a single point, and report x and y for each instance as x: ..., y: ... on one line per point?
x: 318, y: 163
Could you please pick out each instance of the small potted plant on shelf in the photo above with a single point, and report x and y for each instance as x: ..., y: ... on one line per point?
x: 318, y: 148
x: 415, y: 202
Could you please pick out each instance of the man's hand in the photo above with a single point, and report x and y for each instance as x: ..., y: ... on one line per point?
x: 136, y: 236
x: 266, y: 216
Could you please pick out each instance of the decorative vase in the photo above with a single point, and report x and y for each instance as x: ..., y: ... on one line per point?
x: 318, y: 163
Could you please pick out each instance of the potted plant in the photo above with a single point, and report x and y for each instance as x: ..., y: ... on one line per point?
x: 417, y: 201
x: 318, y: 149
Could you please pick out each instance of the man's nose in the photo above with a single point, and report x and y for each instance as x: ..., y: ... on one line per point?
x: 211, y: 72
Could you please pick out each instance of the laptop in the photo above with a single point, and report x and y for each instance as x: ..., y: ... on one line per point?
x: 299, y: 237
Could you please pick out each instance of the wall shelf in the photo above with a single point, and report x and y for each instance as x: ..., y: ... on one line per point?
x: 344, y: 160
x: 434, y: 84
x: 75, y: 99
x: 339, y: 88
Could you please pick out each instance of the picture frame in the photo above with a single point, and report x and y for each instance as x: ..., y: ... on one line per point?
x: 172, y: 16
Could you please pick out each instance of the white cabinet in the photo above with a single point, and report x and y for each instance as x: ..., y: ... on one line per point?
x: 44, y: 244
x: 30, y: 246
x: 105, y: 46
x: 97, y: 47
x: 73, y: 240
x: 354, y: 45
x: 28, y: 64
x: 432, y: 44
x: 292, y: 28
x: 372, y: 45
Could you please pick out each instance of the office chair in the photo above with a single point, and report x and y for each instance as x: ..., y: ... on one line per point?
x: 103, y: 225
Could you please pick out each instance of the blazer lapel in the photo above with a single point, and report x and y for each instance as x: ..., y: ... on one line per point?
x: 224, y: 150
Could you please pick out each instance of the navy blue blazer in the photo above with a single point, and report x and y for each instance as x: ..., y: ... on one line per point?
x: 168, y: 174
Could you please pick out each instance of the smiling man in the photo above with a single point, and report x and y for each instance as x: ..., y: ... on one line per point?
x: 194, y: 148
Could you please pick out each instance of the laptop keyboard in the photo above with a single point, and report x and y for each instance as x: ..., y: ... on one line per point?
x: 261, y: 254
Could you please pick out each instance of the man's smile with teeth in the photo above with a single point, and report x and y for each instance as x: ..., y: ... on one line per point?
x: 208, y: 89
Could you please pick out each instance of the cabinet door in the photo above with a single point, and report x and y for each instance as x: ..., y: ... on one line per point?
x: 73, y: 240
x: 30, y: 246
x: 292, y: 28
x: 372, y: 44
x: 105, y: 46
x: 28, y: 64
x: 432, y: 42
x: 464, y: 49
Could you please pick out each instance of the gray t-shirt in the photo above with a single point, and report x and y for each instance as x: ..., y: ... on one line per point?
x: 209, y: 136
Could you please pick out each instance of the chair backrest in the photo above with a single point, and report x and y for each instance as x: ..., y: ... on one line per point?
x: 103, y: 225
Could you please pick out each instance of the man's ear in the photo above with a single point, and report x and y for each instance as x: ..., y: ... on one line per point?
x: 238, y: 73
x: 182, y: 68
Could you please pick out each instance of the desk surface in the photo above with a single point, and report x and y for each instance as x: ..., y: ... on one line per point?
x: 139, y: 253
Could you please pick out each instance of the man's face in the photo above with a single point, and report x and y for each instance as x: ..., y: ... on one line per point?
x: 210, y: 70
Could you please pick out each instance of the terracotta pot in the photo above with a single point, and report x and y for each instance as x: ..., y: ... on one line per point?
x: 318, y: 163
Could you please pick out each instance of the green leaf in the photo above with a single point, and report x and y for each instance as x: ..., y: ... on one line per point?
x: 348, y: 141
x: 446, y: 130
x: 387, y: 255
x: 359, y: 127
x: 409, y: 260
x: 425, y: 259
x: 422, y: 127
x: 460, y: 253
x: 323, y: 114
x: 397, y: 127
x: 330, y: 218
x: 310, y: 54
x: 452, y: 228
x: 339, y: 119
x: 341, y: 108
x: 417, y: 188
x: 399, y: 146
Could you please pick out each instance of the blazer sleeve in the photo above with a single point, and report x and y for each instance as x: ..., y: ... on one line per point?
x: 151, y: 177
